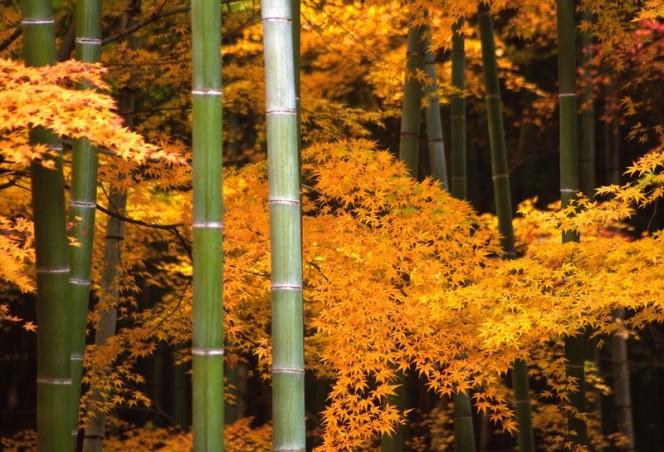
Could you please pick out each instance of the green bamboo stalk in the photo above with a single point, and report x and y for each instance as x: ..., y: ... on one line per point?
x: 501, y: 186
x: 82, y: 206
x: 569, y: 184
x: 464, y: 435
x: 285, y: 225
x: 432, y: 118
x: 207, y: 341
x: 458, y: 111
x: 409, y: 143
x: 53, y: 368
x: 95, y: 430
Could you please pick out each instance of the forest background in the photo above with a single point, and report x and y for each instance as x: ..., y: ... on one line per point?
x: 399, y: 276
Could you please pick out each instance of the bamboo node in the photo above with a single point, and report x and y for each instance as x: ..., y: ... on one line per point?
x: 207, y: 351
x: 82, y: 204
x: 277, y: 19
x: 286, y: 286
x: 79, y: 281
x: 88, y: 41
x: 568, y: 190
x: 285, y: 201
x: 207, y: 92
x: 281, y: 111
x: 52, y: 269
x: 567, y: 95
x: 76, y: 357
x: 53, y: 381
x: 500, y: 176
x: 288, y: 370
x: 45, y: 21
x: 208, y: 225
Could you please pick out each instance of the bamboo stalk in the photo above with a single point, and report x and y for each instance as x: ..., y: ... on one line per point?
x: 207, y: 343
x: 464, y: 435
x: 432, y: 118
x: 588, y: 173
x: 458, y: 111
x: 501, y: 187
x: 409, y: 142
x: 95, y: 430
x: 285, y: 225
x: 82, y: 206
x: 53, y: 368
x: 569, y: 185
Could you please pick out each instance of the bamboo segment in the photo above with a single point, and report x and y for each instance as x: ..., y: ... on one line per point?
x: 569, y: 184
x: 501, y: 186
x: 409, y: 143
x: 459, y: 182
x: 207, y: 341
x: 433, y: 121
x: 94, y: 433
x: 82, y: 206
x: 464, y: 436
x: 53, y: 368
x: 285, y: 226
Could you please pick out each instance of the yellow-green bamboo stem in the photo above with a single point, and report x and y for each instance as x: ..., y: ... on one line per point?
x: 285, y: 226
x: 207, y: 341
x: 409, y: 143
x: 82, y: 206
x: 569, y: 186
x: 501, y: 186
x: 434, y: 124
x: 53, y: 366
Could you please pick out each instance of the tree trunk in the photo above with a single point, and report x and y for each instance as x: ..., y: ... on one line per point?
x: 286, y: 241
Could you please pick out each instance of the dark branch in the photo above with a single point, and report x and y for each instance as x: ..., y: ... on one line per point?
x: 10, y: 39
x: 154, y: 17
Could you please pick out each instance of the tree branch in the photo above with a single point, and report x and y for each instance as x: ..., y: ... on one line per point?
x: 10, y: 39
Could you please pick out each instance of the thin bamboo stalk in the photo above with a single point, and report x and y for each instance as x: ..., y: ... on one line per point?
x: 207, y: 341
x: 285, y: 224
x: 569, y: 186
x: 588, y: 172
x: 458, y: 111
x: 501, y: 186
x: 433, y: 121
x: 82, y: 206
x: 53, y: 368
x: 95, y: 430
x: 409, y: 142
x: 464, y: 434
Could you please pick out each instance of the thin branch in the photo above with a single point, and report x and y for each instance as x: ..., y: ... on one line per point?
x: 154, y: 17
x: 10, y: 39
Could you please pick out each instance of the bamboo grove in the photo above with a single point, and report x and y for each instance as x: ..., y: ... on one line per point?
x: 422, y: 225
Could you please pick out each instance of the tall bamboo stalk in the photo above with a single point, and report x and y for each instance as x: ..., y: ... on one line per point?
x: 53, y: 367
x: 115, y: 234
x: 501, y: 187
x: 459, y: 182
x: 207, y: 344
x: 569, y: 185
x: 82, y: 205
x: 434, y: 124
x: 285, y: 225
x: 409, y: 142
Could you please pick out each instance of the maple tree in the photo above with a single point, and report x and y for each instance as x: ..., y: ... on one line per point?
x: 349, y: 275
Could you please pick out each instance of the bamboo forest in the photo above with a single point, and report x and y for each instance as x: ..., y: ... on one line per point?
x: 331, y: 225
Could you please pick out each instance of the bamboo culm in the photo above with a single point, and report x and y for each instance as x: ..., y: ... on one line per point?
x: 409, y: 140
x: 48, y: 203
x: 434, y: 124
x: 501, y: 186
x: 288, y: 414
x: 207, y: 335
x: 115, y: 233
x: 569, y: 186
x: 82, y: 206
x: 459, y: 184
